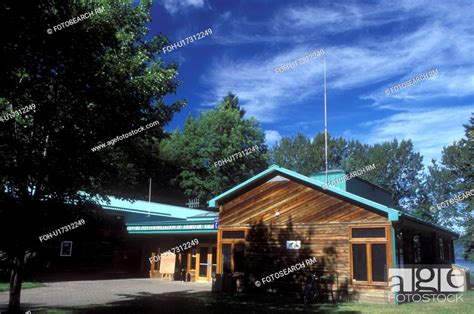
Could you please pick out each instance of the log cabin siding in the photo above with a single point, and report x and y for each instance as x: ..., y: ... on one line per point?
x: 303, y: 204
x: 321, y: 220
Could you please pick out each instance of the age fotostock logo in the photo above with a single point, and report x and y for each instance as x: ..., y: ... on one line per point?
x: 417, y: 284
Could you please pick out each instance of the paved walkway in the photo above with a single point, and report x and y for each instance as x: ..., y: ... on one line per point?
x: 74, y: 293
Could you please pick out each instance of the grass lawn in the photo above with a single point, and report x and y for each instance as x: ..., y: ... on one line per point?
x: 5, y: 286
x: 207, y: 302
x: 419, y: 308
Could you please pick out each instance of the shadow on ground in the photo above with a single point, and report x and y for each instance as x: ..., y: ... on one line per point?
x: 203, y: 302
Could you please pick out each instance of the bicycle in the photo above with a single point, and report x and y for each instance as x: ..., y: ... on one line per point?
x: 312, y: 290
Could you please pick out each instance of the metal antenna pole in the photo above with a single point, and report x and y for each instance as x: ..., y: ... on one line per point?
x: 325, y: 123
x: 149, y: 198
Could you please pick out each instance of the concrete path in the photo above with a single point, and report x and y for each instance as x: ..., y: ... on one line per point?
x: 74, y: 293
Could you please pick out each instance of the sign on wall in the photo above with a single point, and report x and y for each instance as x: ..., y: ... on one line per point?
x: 293, y: 244
x: 170, y: 227
x: 167, y: 263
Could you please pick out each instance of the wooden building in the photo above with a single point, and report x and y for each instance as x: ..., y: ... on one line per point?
x: 155, y: 228
x: 350, y: 228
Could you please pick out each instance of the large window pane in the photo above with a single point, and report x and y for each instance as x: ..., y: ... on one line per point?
x: 368, y: 232
x: 203, y: 261
x: 193, y: 259
x: 239, y: 257
x: 226, y: 256
x: 359, y: 261
x: 379, y: 262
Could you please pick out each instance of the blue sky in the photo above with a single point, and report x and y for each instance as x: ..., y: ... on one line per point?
x: 369, y: 46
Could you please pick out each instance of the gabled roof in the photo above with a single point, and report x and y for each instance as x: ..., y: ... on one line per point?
x: 392, y: 214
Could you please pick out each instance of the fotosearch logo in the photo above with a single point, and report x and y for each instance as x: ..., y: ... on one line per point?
x: 426, y: 283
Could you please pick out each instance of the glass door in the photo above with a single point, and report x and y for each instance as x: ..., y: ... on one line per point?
x: 203, y: 263
x: 206, y: 262
x: 192, y: 265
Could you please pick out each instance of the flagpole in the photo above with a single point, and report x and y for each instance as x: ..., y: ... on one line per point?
x: 149, y: 198
x: 325, y: 123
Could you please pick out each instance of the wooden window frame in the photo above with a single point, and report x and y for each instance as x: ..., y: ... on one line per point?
x: 368, y: 242
x: 232, y: 242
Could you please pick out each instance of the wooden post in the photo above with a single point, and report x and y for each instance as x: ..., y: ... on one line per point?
x: 152, y: 264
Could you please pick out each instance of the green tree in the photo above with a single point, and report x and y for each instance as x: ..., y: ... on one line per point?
x: 398, y: 167
x: 398, y: 170
x: 216, y: 135
x: 90, y: 82
x: 307, y: 157
x: 296, y: 154
x: 454, y: 175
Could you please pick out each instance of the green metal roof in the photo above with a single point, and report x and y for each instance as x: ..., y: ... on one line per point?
x: 392, y: 214
x: 332, y: 176
x: 162, y: 218
x: 144, y: 207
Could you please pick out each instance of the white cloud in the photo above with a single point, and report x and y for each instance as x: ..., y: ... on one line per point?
x: 272, y: 137
x: 429, y: 129
x: 440, y: 38
x: 174, y: 6
x: 263, y: 93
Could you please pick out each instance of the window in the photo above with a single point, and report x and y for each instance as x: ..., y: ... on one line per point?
x: 232, y: 251
x: 417, y: 249
x: 193, y: 259
x: 239, y: 257
x: 226, y: 257
x: 379, y: 262
x: 441, y: 249
x: 66, y: 248
x: 368, y: 232
x: 233, y: 234
x: 369, y: 254
x: 359, y: 261
x: 400, y: 258
x: 450, y: 257
x: 203, y: 261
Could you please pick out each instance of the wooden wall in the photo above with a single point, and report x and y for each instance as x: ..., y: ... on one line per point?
x: 319, y: 219
x: 303, y: 204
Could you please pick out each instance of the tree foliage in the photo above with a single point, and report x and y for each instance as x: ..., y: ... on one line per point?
x: 398, y: 167
x: 215, y: 135
x: 452, y: 176
x: 90, y: 82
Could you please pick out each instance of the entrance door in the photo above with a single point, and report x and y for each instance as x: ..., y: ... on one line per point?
x: 206, y: 262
